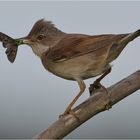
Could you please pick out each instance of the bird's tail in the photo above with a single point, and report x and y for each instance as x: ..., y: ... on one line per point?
x: 130, y: 37
x: 117, y: 47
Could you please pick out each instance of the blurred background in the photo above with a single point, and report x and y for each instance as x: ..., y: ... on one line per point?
x: 31, y: 98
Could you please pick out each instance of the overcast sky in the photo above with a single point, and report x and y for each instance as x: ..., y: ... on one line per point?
x: 31, y: 98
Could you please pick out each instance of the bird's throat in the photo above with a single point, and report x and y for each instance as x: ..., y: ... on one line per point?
x: 39, y: 49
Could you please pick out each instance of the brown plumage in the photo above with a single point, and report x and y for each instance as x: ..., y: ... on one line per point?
x: 75, y: 56
x: 84, y: 56
x: 76, y: 45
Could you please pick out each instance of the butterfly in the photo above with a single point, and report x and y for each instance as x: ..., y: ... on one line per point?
x: 11, y: 46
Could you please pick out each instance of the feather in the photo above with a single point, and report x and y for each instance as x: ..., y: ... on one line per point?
x: 73, y: 46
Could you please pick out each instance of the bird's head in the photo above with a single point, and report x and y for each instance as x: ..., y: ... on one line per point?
x: 42, y: 36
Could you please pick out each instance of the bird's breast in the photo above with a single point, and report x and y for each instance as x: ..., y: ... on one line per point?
x: 83, y: 67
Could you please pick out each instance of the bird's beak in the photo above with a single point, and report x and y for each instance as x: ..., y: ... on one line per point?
x: 26, y: 41
x: 21, y: 41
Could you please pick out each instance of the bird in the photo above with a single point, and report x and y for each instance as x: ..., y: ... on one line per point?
x: 72, y: 56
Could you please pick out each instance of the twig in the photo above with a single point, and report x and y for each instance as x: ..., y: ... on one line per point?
x: 92, y: 106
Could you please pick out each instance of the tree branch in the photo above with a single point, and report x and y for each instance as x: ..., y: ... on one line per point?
x: 92, y: 106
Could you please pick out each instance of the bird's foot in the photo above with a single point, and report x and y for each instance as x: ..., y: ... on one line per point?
x: 94, y: 87
x: 71, y: 112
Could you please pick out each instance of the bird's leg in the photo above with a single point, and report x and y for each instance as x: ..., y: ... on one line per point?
x: 97, y: 85
x: 68, y: 110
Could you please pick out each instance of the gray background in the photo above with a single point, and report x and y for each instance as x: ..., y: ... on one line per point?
x: 31, y: 98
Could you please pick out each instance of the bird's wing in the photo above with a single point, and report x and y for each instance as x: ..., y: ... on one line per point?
x: 74, y: 46
x: 11, y: 46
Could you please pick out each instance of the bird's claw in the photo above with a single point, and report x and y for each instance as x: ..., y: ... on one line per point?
x: 93, y: 87
x: 97, y: 85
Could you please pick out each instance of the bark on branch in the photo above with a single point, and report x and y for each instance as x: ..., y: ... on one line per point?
x: 92, y: 106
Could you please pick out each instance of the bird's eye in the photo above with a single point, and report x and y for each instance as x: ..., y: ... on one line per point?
x: 40, y: 37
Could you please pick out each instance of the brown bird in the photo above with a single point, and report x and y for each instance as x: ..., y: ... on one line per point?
x: 75, y: 56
